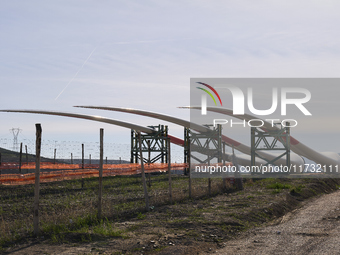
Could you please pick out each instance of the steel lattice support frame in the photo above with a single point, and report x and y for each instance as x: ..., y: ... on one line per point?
x: 156, y: 141
x: 281, y: 135
x: 210, y: 143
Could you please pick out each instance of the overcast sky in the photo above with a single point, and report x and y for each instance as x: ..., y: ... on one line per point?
x: 142, y: 54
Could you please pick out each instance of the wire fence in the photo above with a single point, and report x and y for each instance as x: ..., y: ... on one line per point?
x: 68, y: 151
x: 68, y: 205
x: 69, y: 192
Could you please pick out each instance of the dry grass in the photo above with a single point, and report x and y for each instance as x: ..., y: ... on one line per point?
x: 66, y: 206
x: 68, y: 213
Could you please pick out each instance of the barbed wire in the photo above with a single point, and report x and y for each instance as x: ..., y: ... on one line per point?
x: 112, y: 151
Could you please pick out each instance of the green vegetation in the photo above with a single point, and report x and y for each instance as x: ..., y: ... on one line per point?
x: 140, y: 216
x: 299, y: 188
x: 67, y: 208
x: 68, y: 211
x: 278, y: 186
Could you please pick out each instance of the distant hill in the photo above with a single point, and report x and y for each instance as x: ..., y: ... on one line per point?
x: 13, y: 156
x: 93, y: 161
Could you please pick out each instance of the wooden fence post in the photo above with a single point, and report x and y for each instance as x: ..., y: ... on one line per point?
x: 169, y: 170
x: 238, y: 178
x: 149, y: 161
x: 55, y: 156
x: 209, y: 179
x: 143, y: 173
x: 82, y: 156
x: 26, y: 155
x: 223, y: 160
x: 20, y: 158
x: 37, y: 179
x: 82, y: 165
x: 189, y: 162
x: 100, y: 174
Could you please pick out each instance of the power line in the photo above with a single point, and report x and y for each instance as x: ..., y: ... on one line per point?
x: 15, y: 132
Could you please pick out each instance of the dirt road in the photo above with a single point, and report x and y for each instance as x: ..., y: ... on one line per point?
x: 312, y: 229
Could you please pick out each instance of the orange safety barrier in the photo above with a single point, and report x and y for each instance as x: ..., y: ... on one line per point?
x: 90, y: 171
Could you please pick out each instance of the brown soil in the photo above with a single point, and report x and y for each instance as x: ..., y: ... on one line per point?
x: 311, y: 229
x: 190, y: 227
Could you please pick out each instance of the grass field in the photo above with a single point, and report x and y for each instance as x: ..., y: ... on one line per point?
x: 68, y: 206
x: 68, y: 209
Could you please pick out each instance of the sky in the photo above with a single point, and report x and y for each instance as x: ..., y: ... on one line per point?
x: 142, y: 54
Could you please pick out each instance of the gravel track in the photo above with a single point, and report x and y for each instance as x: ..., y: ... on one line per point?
x: 312, y: 229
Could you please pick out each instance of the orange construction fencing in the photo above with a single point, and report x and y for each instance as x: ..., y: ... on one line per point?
x: 74, y: 171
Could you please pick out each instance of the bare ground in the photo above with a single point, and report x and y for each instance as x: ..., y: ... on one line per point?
x: 312, y: 229
x: 223, y: 224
